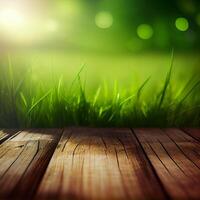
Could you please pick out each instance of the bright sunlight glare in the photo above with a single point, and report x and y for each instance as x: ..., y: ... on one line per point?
x: 11, y: 19
x: 20, y: 26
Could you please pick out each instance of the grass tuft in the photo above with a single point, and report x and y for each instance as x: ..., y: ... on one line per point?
x: 29, y: 103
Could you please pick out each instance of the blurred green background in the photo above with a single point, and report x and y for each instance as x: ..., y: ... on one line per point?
x: 102, y: 25
x: 116, y: 39
x: 120, y: 43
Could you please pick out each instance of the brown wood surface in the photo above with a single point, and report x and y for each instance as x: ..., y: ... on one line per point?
x: 5, y: 134
x: 91, y: 163
x: 176, y: 158
x: 99, y: 164
x: 193, y: 132
x: 23, y: 160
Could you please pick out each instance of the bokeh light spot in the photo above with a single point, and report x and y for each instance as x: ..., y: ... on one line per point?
x: 145, y: 31
x: 182, y: 24
x: 104, y: 20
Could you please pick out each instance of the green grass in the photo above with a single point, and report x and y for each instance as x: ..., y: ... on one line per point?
x: 27, y: 101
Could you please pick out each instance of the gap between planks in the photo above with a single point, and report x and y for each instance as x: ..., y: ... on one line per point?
x: 169, y: 158
x: 99, y: 164
x: 23, y: 161
x: 175, y: 157
x: 8, y: 133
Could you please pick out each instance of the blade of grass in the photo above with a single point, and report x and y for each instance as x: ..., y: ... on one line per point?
x: 59, y: 86
x: 187, y: 84
x: 142, y: 87
x: 23, y: 99
x: 167, y: 81
x: 127, y: 99
x: 76, y: 77
x: 96, y: 96
x: 138, y: 92
x: 10, y: 70
x: 190, y: 91
x: 20, y: 84
x: 38, y: 101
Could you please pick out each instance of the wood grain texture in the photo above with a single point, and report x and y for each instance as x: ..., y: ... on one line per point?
x: 175, y: 157
x: 6, y: 133
x: 193, y: 132
x: 99, y: 164
x: 23, y: 160
x: 89, y: 163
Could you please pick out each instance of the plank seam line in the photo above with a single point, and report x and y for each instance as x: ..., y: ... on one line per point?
x: 196, y: 139
x: 182, y: 151
x: 150, y: 146
x: 38, y: 144
x: 45, y: 169
x: 18, y: 182
x: 120, y: 141
x: 173, y: 160
x: 13, y: 161
x: 121, y: 174
x: 6, y: 138
x: 166, y: 195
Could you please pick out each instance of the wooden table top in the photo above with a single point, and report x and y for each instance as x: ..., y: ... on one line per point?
x: 100, y: 163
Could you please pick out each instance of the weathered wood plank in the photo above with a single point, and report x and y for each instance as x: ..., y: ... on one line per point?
x: 6, y: 133
x: 99, y: 164
x: 193, y: 132
x: 176, y: 159
x: 23, y: 160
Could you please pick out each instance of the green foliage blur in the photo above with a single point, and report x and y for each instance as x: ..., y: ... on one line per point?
x: 128, y: 78
x: 111, y: 25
